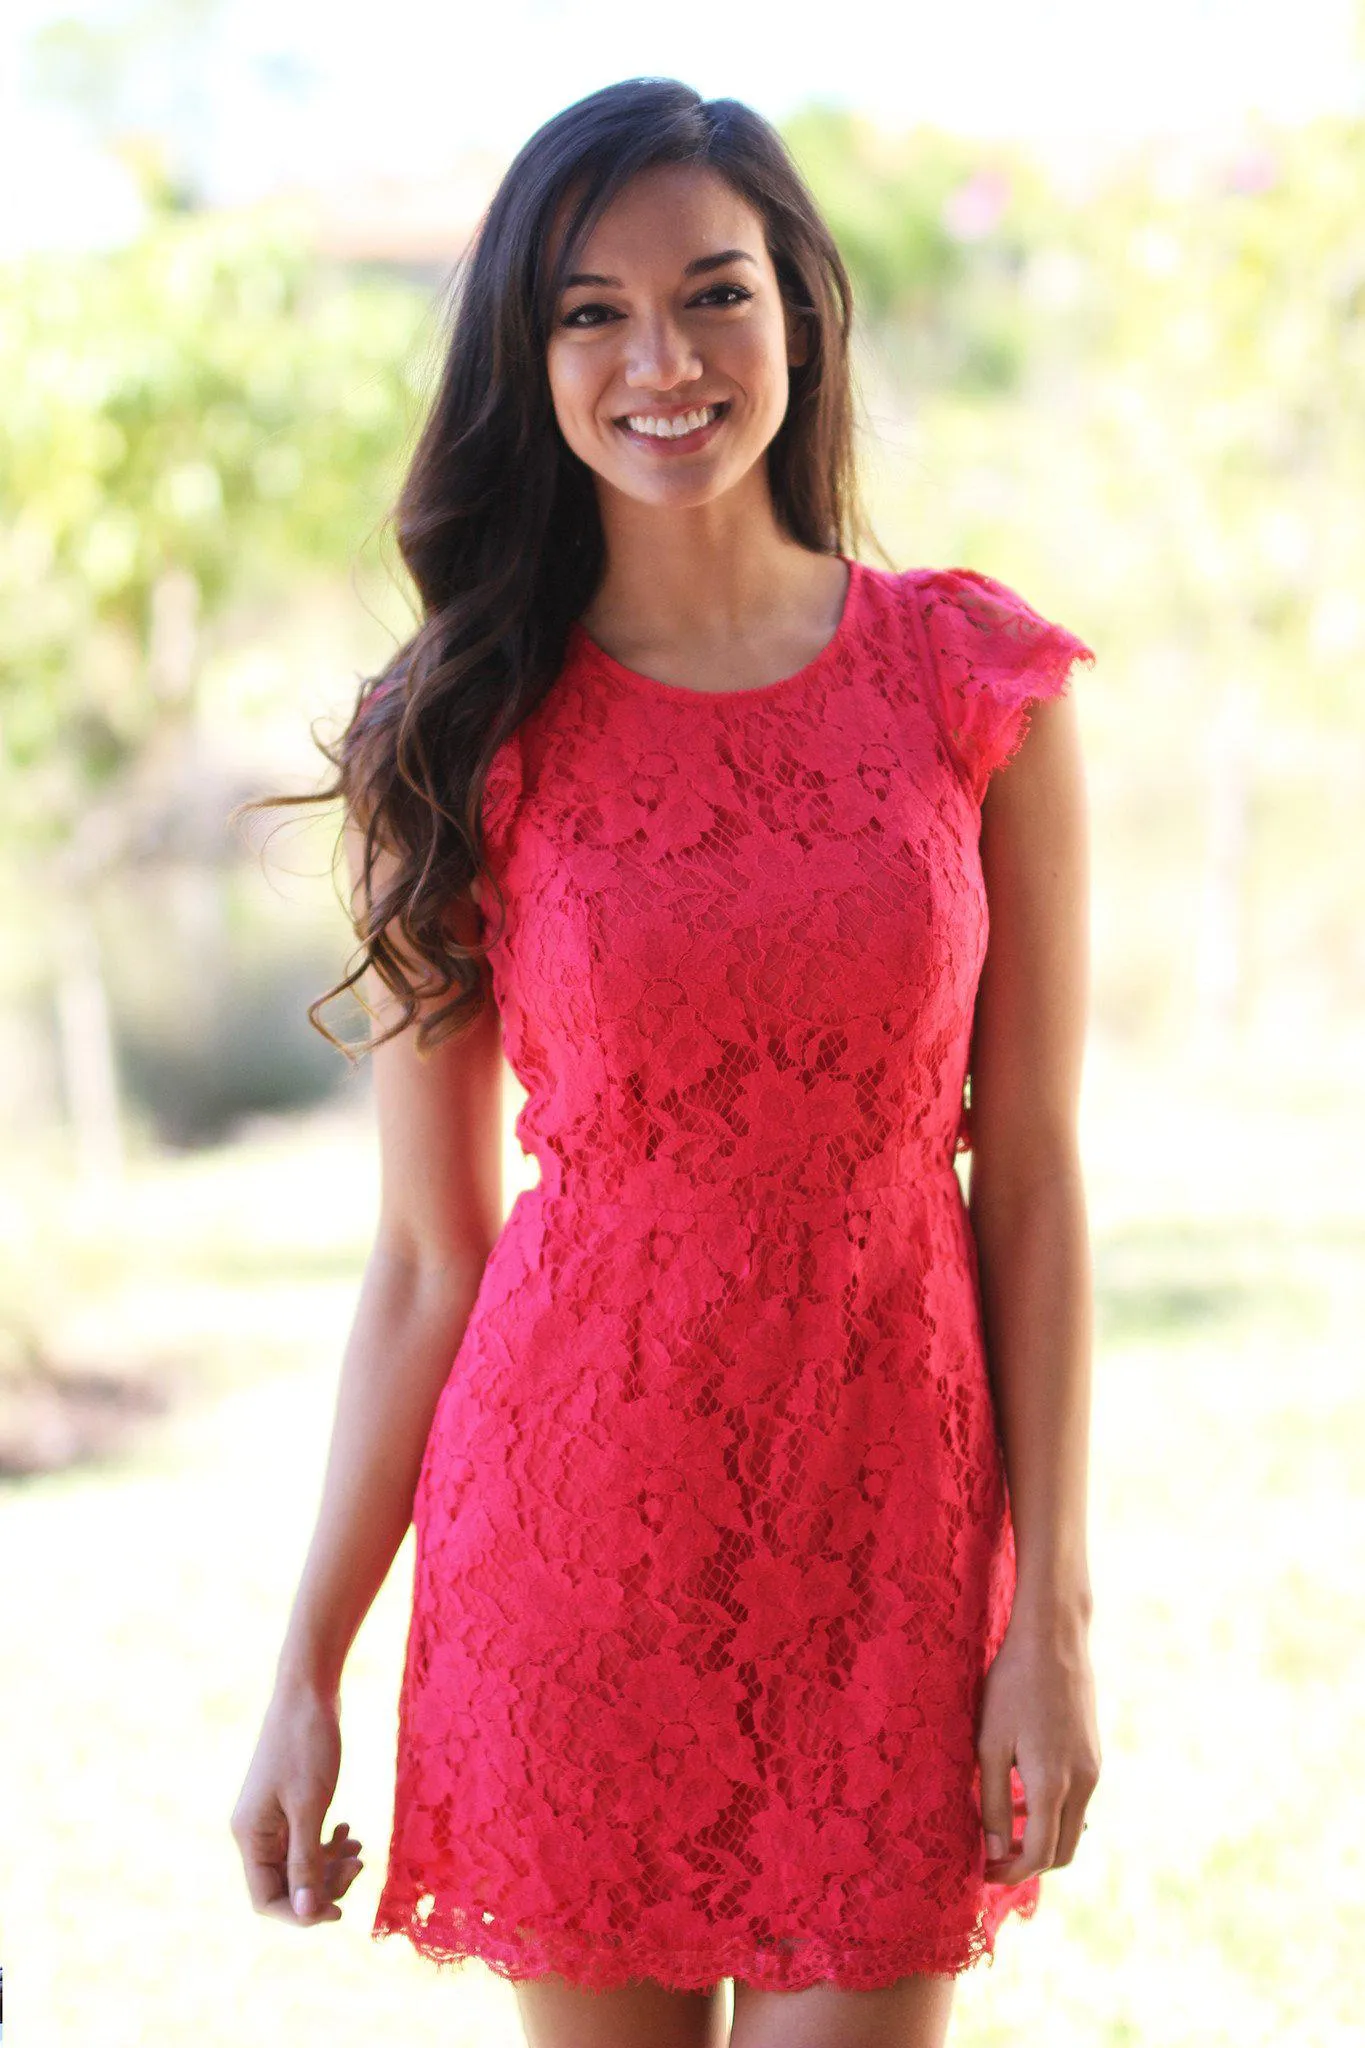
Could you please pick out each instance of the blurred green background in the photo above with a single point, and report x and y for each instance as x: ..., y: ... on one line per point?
x: 1139, y: 397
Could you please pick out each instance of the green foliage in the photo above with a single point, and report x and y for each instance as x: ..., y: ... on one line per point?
x: 884, y: 208
x: 209, y: 401
x: 936, y: 231
x: 1226, y: 381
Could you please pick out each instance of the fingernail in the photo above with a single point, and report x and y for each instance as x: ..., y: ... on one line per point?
x: 305, y: 1900
x: 995, y: 1847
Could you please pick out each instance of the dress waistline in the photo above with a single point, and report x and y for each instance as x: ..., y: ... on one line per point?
x: 670, y: 1194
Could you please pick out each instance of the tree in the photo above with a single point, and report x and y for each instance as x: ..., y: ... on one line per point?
x: 194, y: 419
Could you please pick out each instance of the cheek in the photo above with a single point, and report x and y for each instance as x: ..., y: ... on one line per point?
x: 758, y: 360
x: 571, y: 388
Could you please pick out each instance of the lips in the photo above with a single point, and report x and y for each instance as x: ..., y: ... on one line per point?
x: 654, y: 412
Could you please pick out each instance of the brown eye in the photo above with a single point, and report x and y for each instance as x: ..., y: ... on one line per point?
x: 574, y: 319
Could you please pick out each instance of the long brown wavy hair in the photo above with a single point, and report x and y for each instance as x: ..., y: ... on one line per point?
x: 498, y: 526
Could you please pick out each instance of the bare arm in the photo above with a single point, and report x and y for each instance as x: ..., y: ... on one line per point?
x: 440, y: 1133
x: 1027, y: 1199
x: 1027, y: 1205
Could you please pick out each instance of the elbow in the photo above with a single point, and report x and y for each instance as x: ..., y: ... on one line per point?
x: 1009, y: 1185
x: 429, y: 1268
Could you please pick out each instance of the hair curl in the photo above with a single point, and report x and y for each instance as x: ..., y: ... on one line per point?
x: 498, y: 526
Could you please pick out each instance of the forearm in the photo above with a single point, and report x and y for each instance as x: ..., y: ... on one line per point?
x: 1036, y: 1288
x: 407, y: 1328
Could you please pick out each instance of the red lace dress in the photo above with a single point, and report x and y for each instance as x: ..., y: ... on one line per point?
x: 713, y: 1545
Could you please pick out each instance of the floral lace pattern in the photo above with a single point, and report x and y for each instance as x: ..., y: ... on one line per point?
x: 713, y: 1545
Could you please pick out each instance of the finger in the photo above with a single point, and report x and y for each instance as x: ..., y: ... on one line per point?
x: 281, y: 1909
x: 264, y: 1847
x: 1072, y: 1821
x: 997, y: 1803
x: 341, y: 1865
x: 345, y: 1875
x: 305, y: 1867
x: 999, y: 1869
x: 342, y: 1845
x: 345, y: 1860
x: 1040, y: 1837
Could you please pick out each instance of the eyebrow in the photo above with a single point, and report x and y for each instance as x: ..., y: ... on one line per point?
x: 698, y: 265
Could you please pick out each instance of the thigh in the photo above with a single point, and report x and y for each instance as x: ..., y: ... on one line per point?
x: 557, y: 2014
x: 912, y: 2013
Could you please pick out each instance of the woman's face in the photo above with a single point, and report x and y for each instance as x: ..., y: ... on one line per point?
x: 648, y: 342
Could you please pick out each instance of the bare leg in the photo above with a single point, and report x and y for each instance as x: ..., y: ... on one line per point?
x: 912, y: 2013
x: 557, y: 2014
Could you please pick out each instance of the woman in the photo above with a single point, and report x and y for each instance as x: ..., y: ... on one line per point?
x: 732, y: 1654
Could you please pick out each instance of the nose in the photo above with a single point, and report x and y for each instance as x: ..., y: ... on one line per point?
x: 661, y: 356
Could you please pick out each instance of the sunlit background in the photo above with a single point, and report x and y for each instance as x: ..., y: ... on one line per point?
x: 1111, y: 276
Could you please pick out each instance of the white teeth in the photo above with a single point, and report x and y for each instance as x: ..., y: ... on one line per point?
x: 669, y: 430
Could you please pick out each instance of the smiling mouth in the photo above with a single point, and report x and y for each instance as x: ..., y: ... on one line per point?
x: 669, y: 439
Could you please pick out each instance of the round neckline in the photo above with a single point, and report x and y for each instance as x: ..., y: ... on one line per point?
x: 818, y: 662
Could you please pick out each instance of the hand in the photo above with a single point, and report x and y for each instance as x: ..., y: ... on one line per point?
x: 277, y: 1821
x: 1038, y: 1711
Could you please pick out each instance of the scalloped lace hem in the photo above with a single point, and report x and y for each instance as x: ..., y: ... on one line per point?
x: 869, y: 1966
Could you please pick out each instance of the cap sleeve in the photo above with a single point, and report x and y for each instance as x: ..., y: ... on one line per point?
x: 992, y: 658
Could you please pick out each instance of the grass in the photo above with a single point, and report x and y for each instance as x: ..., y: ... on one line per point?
x: 1218, y: 1893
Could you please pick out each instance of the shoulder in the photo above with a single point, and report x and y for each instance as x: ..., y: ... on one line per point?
x: 967, y: 606
x: 959, y: 607
x: 990, y: 656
